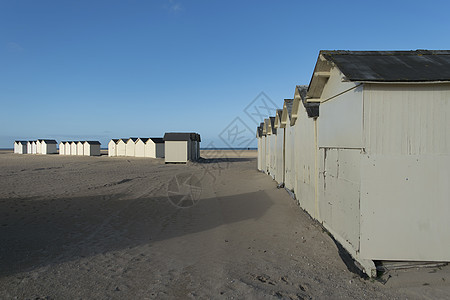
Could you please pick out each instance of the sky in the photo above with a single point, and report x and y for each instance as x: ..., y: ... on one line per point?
x: 97, y: 70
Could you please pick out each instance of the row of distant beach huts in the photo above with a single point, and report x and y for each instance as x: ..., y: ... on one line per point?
x: 39, y: 146
x: 46, y: 146
x: 174, y: 147
x: 365, y: 150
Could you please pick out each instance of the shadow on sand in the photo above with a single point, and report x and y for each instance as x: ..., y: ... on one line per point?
x: 35, y: 232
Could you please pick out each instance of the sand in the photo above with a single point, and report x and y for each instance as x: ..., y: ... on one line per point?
x: 135, y: 228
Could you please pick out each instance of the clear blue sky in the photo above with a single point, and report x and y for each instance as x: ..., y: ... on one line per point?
x: 74, y: 70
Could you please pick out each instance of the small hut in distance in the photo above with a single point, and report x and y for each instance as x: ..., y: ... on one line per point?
x: 181, y: 147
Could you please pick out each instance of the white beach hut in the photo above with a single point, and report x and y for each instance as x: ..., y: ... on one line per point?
x: 267, y: 146
x: 154, y: 147
x: 30, y: 147
x: 20, y: 147
x: 91, y: 148
x: 73, y: 148
x: 121, y: 147
x: 139, y: 148
x: 383, y: 123
x: 178, y: 146
x: 38, y: 147
x: 272, y: 143
x: 131, y: 146
x: 279, y: 172
x: 67, y: 148
x: 289, y: 142
x: 33, y: 147
x: 48, y: 147
x: 62, y: 148
x: 80, y: 147
x: 112, y: 147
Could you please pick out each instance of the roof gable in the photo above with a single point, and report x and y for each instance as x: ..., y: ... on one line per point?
x: 381, y: 67
x: 287, y: 110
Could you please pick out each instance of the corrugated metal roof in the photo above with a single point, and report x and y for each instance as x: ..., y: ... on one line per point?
x: 93, y: 142
x: 392, y: 66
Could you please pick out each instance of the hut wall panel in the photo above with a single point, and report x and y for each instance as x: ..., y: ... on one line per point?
x: 112, y: 149
x: 305, y: 171
x: 176, y: 151
x: 279, y: 156
x: 341, y: 121
x: 408, y: 155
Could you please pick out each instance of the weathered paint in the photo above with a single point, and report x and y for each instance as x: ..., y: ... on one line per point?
x: 341, y: 121
x: 405, y: 176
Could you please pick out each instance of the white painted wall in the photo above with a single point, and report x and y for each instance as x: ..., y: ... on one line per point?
x: 62, y: 149
x: 80, y: 148
x: 279, y: 172
x: 130, y: 148
x: 112, y: 150
x: 341, y: 121
x: 68, y: 148
x: 73, y: 148
x: 121, y: 148
x: 405, y: 173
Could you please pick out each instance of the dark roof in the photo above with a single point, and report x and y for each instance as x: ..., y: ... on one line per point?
x: 115, y: 140
x: 272, y: 124
x: 49, y: 141
x: 93, y: 142
x: 81, y: 142
x: 392, y: 66
x: 181, y: 136
x: 21, y: 142
x: 289, y: 103
x: 134, y: 139
x: 312, y: 108
x: 157, y: 140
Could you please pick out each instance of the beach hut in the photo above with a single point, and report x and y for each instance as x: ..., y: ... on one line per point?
x: 30, y: 147
x: 73, y: 148
x: 154, y: 147
x: 289, y: 142
x: 178, y: 146
x: 121, y: 147
x: 62, y: 148
x: 263, y: 146
x: 130, y: 146
x: 112, y: 147
x: 267, y: 146
x: 33, y: 147
x: 67, y: 148
x: 384, y: 152
x: 38, y: 147
x: 20, y: 147
x: 259, y: 137
x: 80, y: 147
x: 279, y: 147
x: 91, y: 148
x: 48, y: 147
x: 272, y: 139
x: 306, y: 150
x: 139, y: 150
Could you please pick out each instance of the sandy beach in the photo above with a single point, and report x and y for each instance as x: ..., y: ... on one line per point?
x: 136, y: 228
